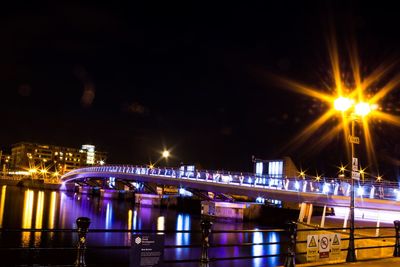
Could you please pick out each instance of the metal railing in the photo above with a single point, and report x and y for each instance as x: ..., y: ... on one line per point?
x: 205, y: 245
x: 324, y: 185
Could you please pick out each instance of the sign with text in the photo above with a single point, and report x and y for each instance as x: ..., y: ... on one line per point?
x: 354, y: 140
x: 324, y: 245
x: 147, y: 250
x: 355, y: 175
x: 354, y: 164
x: 336, y: 244
x: 312, y: 248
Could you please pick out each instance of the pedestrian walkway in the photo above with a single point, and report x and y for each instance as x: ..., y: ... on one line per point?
x: 367, y: 263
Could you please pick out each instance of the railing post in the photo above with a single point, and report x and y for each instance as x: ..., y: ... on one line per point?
x: 396, y: 252
x: 290, y: 260
x: 83, y: 226
x: 206, y: 231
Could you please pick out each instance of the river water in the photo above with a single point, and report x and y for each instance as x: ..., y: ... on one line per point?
x: 42, y: 209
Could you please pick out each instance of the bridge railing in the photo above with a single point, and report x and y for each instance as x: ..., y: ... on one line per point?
x: 205, y: 246
x: 328, y: 186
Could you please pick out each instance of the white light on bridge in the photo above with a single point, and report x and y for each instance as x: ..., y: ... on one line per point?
x: 297, y: 185
x: 397, y: 192
x: 260, y: 200
x: 184, y: 192
x: 372, y: 193
x: 325, y: 188
x: 360, y: 191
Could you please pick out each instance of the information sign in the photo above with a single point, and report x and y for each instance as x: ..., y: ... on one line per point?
x: 147, y: 250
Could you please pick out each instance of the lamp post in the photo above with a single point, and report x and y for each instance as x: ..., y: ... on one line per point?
x: 351, y: 251
x: 361, y: 109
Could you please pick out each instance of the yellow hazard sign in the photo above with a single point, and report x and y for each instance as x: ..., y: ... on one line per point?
x: 335, y: 240
x: 312, y: 243
x: 312, y: 247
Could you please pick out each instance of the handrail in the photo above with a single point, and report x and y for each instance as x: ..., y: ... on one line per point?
x: 323, y: 186
x: 205, y: 245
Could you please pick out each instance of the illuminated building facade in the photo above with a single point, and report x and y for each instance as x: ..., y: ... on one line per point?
x: 278, y: 168
x: 5, y: 161
x: 28, y: 156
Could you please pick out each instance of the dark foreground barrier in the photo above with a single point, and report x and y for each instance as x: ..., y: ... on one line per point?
x: 205, y: 245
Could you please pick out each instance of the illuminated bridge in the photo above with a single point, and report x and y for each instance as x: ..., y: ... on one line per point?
x: 322, y: 192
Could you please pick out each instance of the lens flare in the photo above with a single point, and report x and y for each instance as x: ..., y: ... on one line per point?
x: 354, y: 93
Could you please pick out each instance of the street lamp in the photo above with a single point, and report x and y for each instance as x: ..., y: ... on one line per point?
x: 165, y: 154
x: 360, y: 109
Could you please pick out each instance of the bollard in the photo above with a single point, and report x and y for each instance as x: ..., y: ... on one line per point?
x: 83, y: 226
x: 290, y: 260
x: 205, y: 230
x: 396, y: 252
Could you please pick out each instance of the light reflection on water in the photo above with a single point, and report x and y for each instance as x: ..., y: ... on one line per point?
x: 182, y: 223
x: 2, y: 201
x: 50, y: 209
x: 257, y: 249
x: 27, y: 216
x: 39, y: 217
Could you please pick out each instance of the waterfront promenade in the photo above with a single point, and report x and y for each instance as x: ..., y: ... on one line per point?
x: 368, y: 263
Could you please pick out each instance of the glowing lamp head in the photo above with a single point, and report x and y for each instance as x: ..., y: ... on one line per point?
x: 362, y: 109
x: 165, y: 154
x: 342, y: 103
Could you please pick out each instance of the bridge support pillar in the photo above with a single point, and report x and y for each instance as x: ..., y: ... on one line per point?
x: 378, y: 223
x: 310, y: 211
x: 302, y: 211
x: 346, y: 217
x: 306, y: 210
x: 322, y: 225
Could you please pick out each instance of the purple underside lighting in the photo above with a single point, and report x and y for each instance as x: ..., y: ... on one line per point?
x: 262, y: 185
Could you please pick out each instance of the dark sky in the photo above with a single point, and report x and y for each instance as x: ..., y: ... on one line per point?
x: 134, y: 78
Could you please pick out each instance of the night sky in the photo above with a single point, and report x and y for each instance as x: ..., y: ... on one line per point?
x: 191, y: 77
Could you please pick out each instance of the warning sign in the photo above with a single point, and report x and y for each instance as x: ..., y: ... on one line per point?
x: 335, y: 240
x: 313, y: 242
x: 324, y: 245
x: 335, y: 246
x: 312, y: 248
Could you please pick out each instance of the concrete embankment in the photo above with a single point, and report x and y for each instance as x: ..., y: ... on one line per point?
x: 30, y: 183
